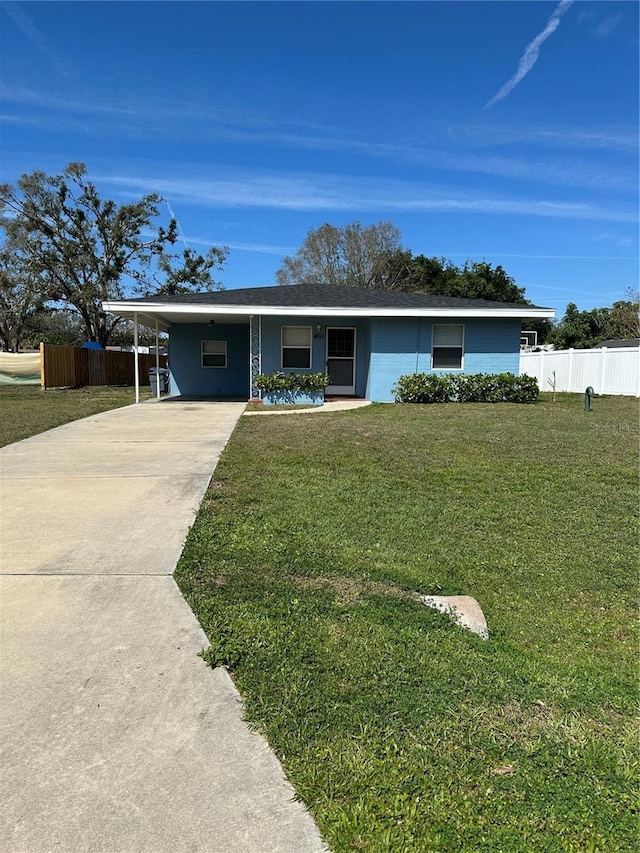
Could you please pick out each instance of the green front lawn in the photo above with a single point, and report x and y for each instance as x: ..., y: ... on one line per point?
x: 26, y: 410
x: 399, y: 730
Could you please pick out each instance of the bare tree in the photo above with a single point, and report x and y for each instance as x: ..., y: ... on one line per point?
x: 352, y: 255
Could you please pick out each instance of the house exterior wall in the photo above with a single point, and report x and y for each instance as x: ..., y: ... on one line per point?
x: 400, y: 346
x: 271, y: 339
x: 386, y: 349
x: 189, y: 378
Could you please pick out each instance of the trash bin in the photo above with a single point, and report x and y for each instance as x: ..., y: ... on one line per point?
x: 161, y: 375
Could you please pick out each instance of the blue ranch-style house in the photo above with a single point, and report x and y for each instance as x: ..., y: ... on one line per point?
x: 364, y: 339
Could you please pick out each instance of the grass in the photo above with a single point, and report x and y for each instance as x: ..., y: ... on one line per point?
x: 401, y: 731
x: 26, y: 410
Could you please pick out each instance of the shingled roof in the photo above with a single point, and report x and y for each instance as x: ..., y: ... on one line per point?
x: 310, y: 300
x: 322, y: 296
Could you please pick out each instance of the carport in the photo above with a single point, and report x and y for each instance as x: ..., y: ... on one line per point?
x: 191, y: 325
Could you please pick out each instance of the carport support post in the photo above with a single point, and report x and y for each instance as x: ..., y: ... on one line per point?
x: 255, y: 355
x: 136, y: 366
x: 157, y: 364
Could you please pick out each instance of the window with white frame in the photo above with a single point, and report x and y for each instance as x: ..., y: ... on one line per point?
x: 447, y: 347
x: 296, y: 346
x: 214, y: 353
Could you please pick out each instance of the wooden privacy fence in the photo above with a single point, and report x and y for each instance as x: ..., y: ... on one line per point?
x: 62, y: 366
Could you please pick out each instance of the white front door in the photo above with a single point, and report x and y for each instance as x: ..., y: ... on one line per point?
x: 341, y: 360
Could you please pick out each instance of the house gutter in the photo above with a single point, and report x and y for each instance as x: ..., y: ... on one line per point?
x: 154, y: 310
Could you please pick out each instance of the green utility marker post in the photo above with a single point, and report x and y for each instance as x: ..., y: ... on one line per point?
x: 588, y: 394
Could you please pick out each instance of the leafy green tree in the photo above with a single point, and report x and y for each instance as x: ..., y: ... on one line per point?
x: 421, y: 274
x: 475, y: 280
x: 373, y: 257
x: 581, y: 329
x: 21, y: 299
x: 480, y: 280
x: 624, y: 317
x: 192, y: 273
x: 59, y: 326
x: 85, y: 249
x: 64, y: 327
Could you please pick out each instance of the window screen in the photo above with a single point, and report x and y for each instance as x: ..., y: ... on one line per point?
x: 214, y: 353
x: 447, y: 347
x: 296, y: 346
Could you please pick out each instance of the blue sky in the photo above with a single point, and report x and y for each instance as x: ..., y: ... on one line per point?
x: 505, y: 131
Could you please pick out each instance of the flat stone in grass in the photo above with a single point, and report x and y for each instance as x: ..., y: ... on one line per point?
x: 463, y: 609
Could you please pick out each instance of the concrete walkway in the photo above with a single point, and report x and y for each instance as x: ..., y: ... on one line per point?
x: 115, y: 736
x: 329, y: 406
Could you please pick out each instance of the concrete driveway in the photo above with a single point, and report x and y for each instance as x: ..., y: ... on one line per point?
x: 115, y: 736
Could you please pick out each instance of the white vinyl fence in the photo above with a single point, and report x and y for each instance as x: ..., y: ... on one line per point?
x: 608, y: 371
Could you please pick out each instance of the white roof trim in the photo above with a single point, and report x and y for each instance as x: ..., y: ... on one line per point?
x: 149, y: 310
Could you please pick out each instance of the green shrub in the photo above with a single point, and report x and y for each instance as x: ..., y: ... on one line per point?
x: 469, y: 388
x: 276, y: 382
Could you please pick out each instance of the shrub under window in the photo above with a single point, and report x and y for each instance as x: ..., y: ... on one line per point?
x: 271, y: 383
x: 466, y: 388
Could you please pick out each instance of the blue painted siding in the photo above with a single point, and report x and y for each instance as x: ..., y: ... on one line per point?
x: 492, y: 346
x: 188, y: 377
x: 385, y: 350
x: 311, y: 398
x: 271, y: 340
x: 400, y: 346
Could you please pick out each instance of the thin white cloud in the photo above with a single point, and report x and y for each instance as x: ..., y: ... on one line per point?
x: 35, y: 36
x: 235, y: 188
x: 531, y: 53
x: 259, y: 248
x: 485, y: 253
x: 148, y: 117
x: 566, y: 172
x: 607, y: 26
x: 484, y: 135
x: 618, y: 239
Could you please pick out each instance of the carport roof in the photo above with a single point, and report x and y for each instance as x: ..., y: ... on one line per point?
x: 310, y: 300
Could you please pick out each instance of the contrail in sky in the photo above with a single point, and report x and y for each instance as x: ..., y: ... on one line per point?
x: 24, y: 22
x: 173, y: 216
x: 532, y: 50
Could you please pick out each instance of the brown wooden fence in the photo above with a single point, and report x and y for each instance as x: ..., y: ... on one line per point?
x: 62, y: 367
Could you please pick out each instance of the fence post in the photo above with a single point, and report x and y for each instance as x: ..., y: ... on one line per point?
x: 43, y: 384
x: 570, y: 388
x: 603, y: 357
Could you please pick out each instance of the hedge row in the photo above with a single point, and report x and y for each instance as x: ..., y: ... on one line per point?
x: 270, y: 383
x: 470, y: 388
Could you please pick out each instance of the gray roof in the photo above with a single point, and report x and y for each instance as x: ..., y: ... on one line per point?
x: 324, y: 295
x: 620, y: 342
